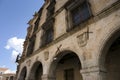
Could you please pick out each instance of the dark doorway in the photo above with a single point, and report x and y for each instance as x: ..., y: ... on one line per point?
x: 36, y: 71
x: 112, y: 61
x: 23, y: 74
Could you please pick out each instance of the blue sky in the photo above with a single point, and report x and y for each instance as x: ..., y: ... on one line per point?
x: 14, y: 15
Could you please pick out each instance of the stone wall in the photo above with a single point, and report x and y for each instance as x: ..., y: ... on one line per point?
x: 88, y: 43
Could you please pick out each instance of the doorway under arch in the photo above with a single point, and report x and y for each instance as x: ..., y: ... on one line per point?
x: 66, y: 66
x: 110, y: 56
x: 112, y: 61
x: 36, y: 71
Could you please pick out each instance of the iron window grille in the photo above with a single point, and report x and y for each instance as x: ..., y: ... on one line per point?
x: 78, y: 12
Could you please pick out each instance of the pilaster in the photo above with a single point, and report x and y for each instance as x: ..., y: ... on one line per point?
x: 47, y: 77
x: 93, y: 73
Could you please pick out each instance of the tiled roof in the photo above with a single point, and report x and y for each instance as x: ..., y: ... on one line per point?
x: 3, y: 69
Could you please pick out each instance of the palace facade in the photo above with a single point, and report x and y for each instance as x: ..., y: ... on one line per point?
x: 72, y: 40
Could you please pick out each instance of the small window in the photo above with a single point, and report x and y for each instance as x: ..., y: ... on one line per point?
x: 78, y: 14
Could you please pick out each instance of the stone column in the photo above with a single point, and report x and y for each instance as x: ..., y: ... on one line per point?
x: 47, y: 77
x: 93, y: 73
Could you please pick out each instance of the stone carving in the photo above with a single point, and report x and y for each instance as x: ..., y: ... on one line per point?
x: 82, y: 39
x: 46, y: 55
x: 28, y: 62
x: 87, y: 55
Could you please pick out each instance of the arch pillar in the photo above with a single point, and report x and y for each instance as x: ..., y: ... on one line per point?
x: 30, y: 77
x: 47, y: 77
x: 93, y: 73
x: 23, y: 74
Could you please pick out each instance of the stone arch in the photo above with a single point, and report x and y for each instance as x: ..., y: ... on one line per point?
x: 105, y: 52
x: 36, y: 71
x: 106, y: 43
x: 11, y: 77
x: 23, y: 74
x: 61, y: 62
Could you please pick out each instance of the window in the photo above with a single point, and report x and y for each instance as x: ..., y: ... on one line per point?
x: 50, y: 9
x: 38, y: 20
x: 69, y: 74
x: 48, y: 32
x: 31, y: 45
x: 47, y: 36
x: 78, y: 14
x: 1, y: 72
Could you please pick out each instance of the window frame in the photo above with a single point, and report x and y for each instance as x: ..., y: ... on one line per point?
x: 45, y: 35
x: 47, y: 26
x: 74, y: 5
x: 31, y: 45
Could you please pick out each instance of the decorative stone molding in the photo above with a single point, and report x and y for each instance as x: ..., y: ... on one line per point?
x: 105, y: 12
x: 28, y: 62
x: 37, y: 58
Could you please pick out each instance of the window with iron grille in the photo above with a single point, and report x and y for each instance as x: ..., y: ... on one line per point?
x: 48, y: 33
x: 79, y: 12
x: 47, y: 37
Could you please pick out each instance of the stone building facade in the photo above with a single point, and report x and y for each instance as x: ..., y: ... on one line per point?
x: 73, y: 40
x: 6, y: 75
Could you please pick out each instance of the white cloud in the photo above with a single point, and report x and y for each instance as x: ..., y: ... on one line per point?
x: 16, y: 44
x: 7, y: 47
x: 9, y: 71
x: 14, y: 54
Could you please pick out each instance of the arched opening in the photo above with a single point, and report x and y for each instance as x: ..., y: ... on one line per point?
x: 112, y: 59
x: 11, y: 77
x: 23, y: 74
x: 66, y: 66
x: 36, y: 71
